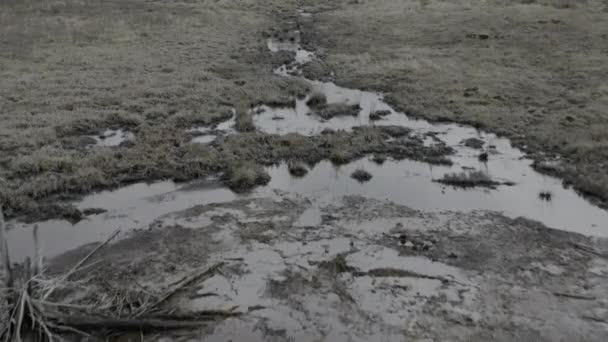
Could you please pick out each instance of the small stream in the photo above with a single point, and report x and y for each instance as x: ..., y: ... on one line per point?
x: 406, y: 182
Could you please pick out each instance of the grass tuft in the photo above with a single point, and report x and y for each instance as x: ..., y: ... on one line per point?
x: 243, y: 176
x: 361, y: 175
x: 468, y: 180
x: 297, y: 169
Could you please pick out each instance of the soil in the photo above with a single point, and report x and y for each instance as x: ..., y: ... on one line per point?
x: 365, y: 270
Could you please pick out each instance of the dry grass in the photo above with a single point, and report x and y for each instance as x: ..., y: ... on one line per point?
x: 297, y: 169
x: 332, y: 110
x: 244, y: 119
x: 361, y: 175
x: 245, y: 175
x: 379, y: 159
x: 71, y: 68
x: 316, y: 100
x: 468, y: 180
x: 539, y: 77
x: 38, y: 307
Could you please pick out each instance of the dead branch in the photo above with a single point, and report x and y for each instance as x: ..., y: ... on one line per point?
x: 197, y: 276
x: 5, y: 263
x: 589, y: 250
x: 81, y: 262
x: 88, y: 256
x: 88, y: 323
x: 574, y: 296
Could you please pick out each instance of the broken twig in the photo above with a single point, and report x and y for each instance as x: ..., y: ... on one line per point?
x: 202, y: 274
x: 574, y: 296
x: 589, y: 250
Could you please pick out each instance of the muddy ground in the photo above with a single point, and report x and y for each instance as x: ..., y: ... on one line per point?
x: 95, y: 95
x: 361, y: 270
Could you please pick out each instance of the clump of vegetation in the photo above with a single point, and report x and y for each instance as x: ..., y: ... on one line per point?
x: 317, y: 100
x: 297, y: 169
x: 244, y: 122
x: 35, y: 306
x: 473, y: 143
x: 338, y: 109
x: 378, y: 114
x: 281, y: 102
x: 396, y: 131
x: 379, y: 158
x: 483, y: 157
x: 339, y: 157
x: 545, y: 195
x: 244, y: 176
x: 243, y: 118
x: 361, y: 175
x: 468, y: 180
x: 438, y: 160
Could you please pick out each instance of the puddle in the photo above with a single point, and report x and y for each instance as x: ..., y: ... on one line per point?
x: 204, y: 139
x: 113, y: 137
x: 207, y: 134
x: 292, y: 45
x: 132, y: 207
x: 411, y: 183
x: 405, y: 182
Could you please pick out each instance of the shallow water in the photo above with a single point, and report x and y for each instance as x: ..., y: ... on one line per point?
x: 113, y: 137
x: 208, y: 134
x: 405, y: 182
x: 411, y: 183
x: 128, y: 208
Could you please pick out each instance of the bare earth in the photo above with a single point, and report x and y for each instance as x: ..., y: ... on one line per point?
x: 363, y: 270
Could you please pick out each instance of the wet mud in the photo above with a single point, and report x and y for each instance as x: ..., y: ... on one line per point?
x: 361, y: 269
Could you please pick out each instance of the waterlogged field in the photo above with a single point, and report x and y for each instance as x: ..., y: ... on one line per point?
x: 184, y: 177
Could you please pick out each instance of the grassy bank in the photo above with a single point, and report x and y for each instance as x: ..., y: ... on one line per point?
x: 530, y: 70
